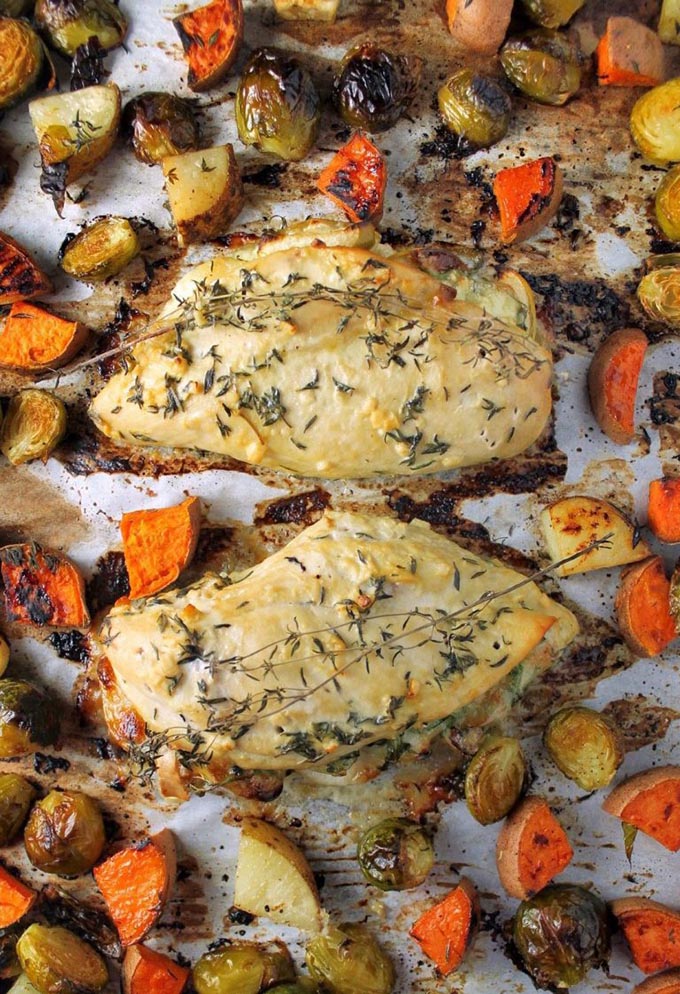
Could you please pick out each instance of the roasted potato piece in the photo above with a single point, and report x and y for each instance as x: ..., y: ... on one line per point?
x: 479, y: 25
x: 211, y: 37
x: 655, y: 123
x: 348, y: 960
x: 22, y: 61
x: 585, y: 746
x: 476, y: 108
x: 307, y: 10
x: 101, y: 249
x: 57, y: 961
x: 29, y: 721
x: 34, y: 425
x: 669, y: 22
x: 532, y: 848
x: 159, y: 124
x: 373, y: 88
x: 16, y: 797
x: 495, y: 779
x: 20, y: 276
x: 572, y: 524
x: 612, y: 382
x: 65, y: 833
x: 395, y: 854
x: 68, y: 25
x: 205, y: 192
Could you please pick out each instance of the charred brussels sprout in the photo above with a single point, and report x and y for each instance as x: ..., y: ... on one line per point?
x: 277, y: 106
x: 551, y: 13
x: 561, y: 934
x: 28, y: 720
x: 373, y: 88
x: 395, y: 854
x: 585, y: 746
x: 34, y: 425
x: 58, y: 962
x: 16, y: 797
x: 243, y: 968
x: 348, y: 960
x: 655, y: 123
x: 60, y: 908
x: 475, y: 108
x: 659, y: 290
x: 65, y: 833
x: 102, y: 248
x: 68, y: 24
x: 667, y: 204
x: 495, y: 779
x: 23, y: 59
x: 160, y: 124
x: 543, y: 65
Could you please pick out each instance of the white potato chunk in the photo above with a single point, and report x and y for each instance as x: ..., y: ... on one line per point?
x: 205, y: 191
x: 574, y: 523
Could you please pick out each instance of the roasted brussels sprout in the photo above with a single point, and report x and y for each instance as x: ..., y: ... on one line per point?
x: 495, y: 779
x: 160, y: 124
x: 395, y: 854
x: 277, y: 106
x: 475, y: 108
x: 585, y: 746
x: 659, y: 290
x: 16, y: 797
x: 655, y: 123
x: 4, y: 655
x: 9, y: 962
x: 562, y: 933
x: 65, y: 833
x: 667, y: 204
x: 348, y: 960
x: 243, y: 968
x: 28, y: 720
x: 551, y: 13
x: 34, y: 425
x: 68, y: 24
x: 373, y: 88
x: 60, y: 908
x: 87, y: 65
x: 22, y: 62
x: 57, y: 962
x: 102, y: 248
x: 543, y: 65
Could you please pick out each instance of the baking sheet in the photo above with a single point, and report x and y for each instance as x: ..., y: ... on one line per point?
x: 430, y: 195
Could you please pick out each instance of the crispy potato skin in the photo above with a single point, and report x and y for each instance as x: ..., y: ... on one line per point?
x: 613, y: 380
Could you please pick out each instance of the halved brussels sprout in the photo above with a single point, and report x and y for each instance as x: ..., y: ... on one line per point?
x: 495, y: 779
x: 562, y: 933
x: 667, y: 204
x: 28, y: 720
x: 348, y: 960
x: 543, y: 65
x: 23, y: 59
x: 34, y: 425
x: 585, y: 746
x: 16, y: 797
x: 551, y: 13
x: 159, y: 124
x: 57, y: 962
x: 65, y: 833
x: 475, y: 108
x: 395, y: 854
x: 68, y: 24
x: 373, y: 87
x: 659, y: 290
x: 655, y: 123
x: 243, y: 968
x: 102, y: 248
x: 277, y: 105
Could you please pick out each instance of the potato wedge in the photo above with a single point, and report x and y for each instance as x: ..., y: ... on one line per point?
x: 479, y: 25
x: 20, y: 277
x: 573, y: 523
x: 643, y: 608
x: 205, y: 192
x: 613, y: 380
x: 651, y: 802
x: 274, y: 880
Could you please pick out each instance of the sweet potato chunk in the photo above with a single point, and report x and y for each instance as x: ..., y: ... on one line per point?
x: 32, y: 339
x: 445, y: 931
x: 528, y: 197
x: 532, y: 849
x: 663, y: 509
x: 16, y: 899
x: 355, y: 179
x: 42, y: 588
x: 211, y: 37
x: 651, y: 802
x: 652, y: 932
x: 613, y: 380
x: 147, y: 972
x: 629, y: 54
x: 643, y: 608
x: 159, y: 544
x: 20, y: 277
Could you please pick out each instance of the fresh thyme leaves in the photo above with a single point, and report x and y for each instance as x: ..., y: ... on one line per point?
x: 416, y: 405
x: 85, y: 132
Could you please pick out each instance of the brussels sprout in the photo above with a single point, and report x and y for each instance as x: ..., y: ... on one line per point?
x: 373, y: 88
x: 28, y: 720
x: 655, y: 123
x: 348, y: 960
x: 68, y: 24
x: 16, y: 797
x: 243, y: 968
x: 475, y: 107
x: 543, y: 65
x: 561, y: 933
x: 551, y: 13
x: 585, y: 746
x: 34, y: 425
x: 277, y: 106
x: 667, y: 204
x: 395, y: 854
x: 57, y: 962
x: 60, y: 908
x: 659, y: 291
x: 102, y: 248
x: 65, y: 833
x: 495, y: 779
x: 160, y: 124
x: 23, y: 58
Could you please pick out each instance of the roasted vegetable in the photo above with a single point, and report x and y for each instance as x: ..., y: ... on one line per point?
x: 652, y: 932
x: 204, y: 190
x: 159, y: 544
x: 20, y: 276
x: 561, y: 934
x: 373, y: 87
x: 277, y: 105
x: 65, y: 833
x: 495, y: 779
x: 348, y: 960
x: 669, y: 22
x: 479, y: 25
x: 307, y: 10
x: 42, y: 588
x: 23, y: 986
x: 551, y: 13
x: 667, y: 204
x: 305, y: 986
x: 584, y: 745
x: 9, y: 962
x: 572, y: 524
x: 613, y: 380
x: 28, y: 720
x: 476, y: 108
x: 34, y: 425
x: 356, y: 178
x: 58, y: 962
x: 146, y: 971
x: 528, y: 196
x: 87, y: 65
x: 445, y: 931
x: 543, y: 65
x: 101, y: 249
x: 643, y: 608
x: 659, y: 290
x: 16, y: 797
x: 32, y: 339
x: 159, y: 124
x: 395, y: 854
x: 4, y: 655
x: 68, y: 24
x: 650, y: 801
x: 532, y: 849
x: 91, y: 924
x: 629, y: 54
x: 22, y: 61
x: 655, y: 123
x: 16, y: 899
x: 663, y: 508
x: 211, y: 37
x: 667, y: 982
x: 242, y: 968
